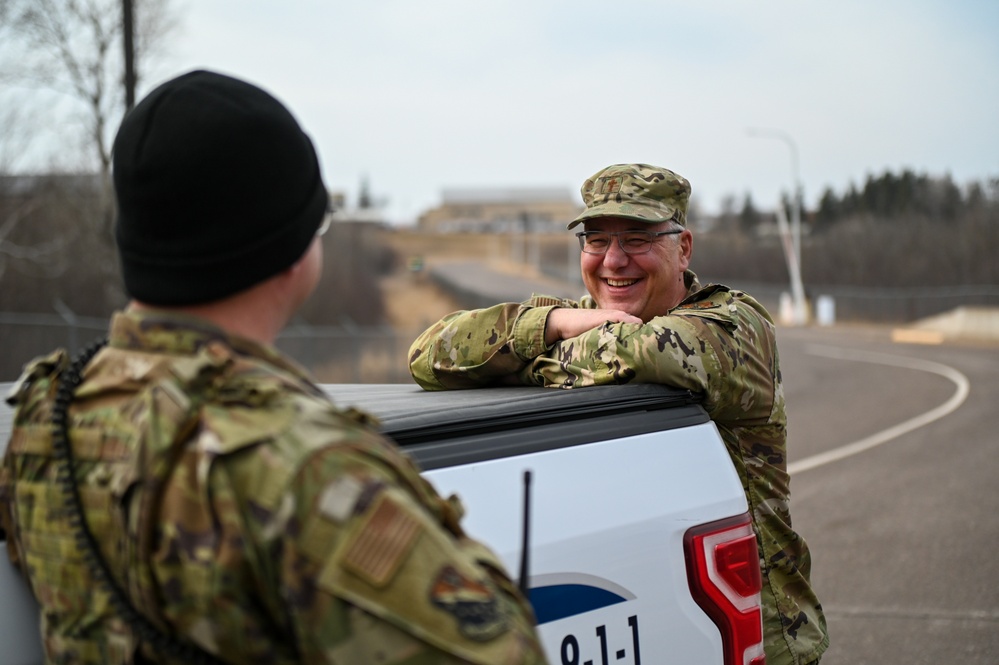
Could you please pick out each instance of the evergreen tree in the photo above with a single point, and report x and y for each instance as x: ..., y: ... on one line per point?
x: 749, y: 217
x: 829, y: 212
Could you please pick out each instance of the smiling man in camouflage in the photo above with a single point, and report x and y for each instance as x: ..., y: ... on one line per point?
x: 648, y: 319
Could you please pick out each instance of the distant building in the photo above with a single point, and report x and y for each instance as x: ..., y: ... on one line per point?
x: 535, y: 210
x: 367, y: 209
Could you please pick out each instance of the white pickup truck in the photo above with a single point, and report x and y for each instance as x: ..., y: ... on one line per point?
x: 639, y: 546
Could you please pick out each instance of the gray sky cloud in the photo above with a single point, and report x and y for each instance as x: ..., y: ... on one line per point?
x: 422, y: 96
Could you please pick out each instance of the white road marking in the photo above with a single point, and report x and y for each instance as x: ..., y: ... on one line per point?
x: 933, y: 614
x: 842, y: 452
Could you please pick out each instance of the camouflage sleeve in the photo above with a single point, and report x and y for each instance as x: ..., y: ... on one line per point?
x: 37, y: 368
x: 475, y: 348
x: 6, y: 518
x: 373, y: 567
x: 667, y: 350
x: 721, y: 349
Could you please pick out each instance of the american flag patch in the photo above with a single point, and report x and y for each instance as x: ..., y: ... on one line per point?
x: 383, y: 543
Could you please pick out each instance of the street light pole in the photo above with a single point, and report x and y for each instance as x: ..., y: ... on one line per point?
x: 128, y: 32
x: 795, y: 180
x: 795, y: 208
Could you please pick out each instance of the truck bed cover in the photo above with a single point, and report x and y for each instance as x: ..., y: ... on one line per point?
x: 433, y: 426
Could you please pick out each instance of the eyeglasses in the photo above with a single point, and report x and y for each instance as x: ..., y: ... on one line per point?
x: 631, y: 242
x: 324, y: 225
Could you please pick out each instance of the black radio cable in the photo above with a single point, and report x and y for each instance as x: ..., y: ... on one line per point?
x: 144, y: 628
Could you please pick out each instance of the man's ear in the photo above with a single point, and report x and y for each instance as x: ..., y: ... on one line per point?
x: 686, y: 248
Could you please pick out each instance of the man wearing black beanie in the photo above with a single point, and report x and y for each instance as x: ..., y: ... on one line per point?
x: 183, y: 491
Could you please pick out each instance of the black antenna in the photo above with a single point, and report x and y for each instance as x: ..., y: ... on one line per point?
x: 526, y: 537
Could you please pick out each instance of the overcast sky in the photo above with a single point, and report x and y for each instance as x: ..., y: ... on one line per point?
x: 423, y: 95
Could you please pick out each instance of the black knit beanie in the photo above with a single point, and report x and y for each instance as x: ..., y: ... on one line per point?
x: 218, y: 189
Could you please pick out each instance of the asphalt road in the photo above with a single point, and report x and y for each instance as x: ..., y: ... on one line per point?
x: 903, y: 518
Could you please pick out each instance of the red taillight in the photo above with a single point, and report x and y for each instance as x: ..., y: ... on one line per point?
x: 723, y: 568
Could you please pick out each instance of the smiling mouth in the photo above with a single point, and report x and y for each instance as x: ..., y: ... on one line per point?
x: 621, y: 282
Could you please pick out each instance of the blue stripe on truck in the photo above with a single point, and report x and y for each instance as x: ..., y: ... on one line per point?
x: 560, y: 601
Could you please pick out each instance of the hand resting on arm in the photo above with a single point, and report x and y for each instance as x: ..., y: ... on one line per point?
x: 564, y: 322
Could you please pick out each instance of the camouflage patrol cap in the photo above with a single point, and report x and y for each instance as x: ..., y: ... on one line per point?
x: 635, y: 191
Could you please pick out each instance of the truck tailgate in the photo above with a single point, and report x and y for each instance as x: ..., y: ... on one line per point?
x: 607, y: 568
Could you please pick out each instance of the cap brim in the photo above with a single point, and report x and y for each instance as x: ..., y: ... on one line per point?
x: 627, y: 210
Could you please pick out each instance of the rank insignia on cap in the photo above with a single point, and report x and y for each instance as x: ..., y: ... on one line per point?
x: 609, y: 185
x: 383, y: 543
x: 471, y: 602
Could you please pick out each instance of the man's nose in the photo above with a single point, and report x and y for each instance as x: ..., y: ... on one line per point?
x: 615, y: 256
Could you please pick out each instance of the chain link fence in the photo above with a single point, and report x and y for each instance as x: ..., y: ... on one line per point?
x: 876, y: 305
x: 333, y: 354
x: 378, y: 354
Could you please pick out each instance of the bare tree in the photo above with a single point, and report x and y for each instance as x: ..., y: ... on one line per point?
x: 15, y: 137
x: 727, y: 215
x: 20, y: 199
x: 47, y: 257
x: 68, y: 53
x: 75, y: 47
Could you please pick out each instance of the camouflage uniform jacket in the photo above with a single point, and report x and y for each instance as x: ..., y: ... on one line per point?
x: 718, y: 342
x: 242, y: 512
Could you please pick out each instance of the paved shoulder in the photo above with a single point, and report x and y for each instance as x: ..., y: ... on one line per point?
x: 480, y: 284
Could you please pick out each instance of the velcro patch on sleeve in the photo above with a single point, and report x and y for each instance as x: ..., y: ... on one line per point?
x: 545, y: 301
x: 700, y: 305
x: 383, y: 543
x: 473, y: 604
x: 339, y: 499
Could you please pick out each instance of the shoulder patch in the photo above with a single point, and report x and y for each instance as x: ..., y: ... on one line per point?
x: 471, y: 602
x: 383, y: 543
